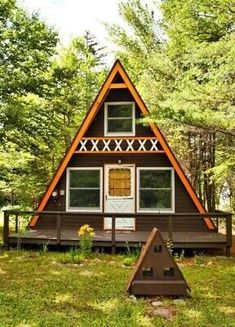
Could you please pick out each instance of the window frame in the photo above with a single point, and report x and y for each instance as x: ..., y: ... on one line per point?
x: 106, y: 178
x: 157, y: 210
x: 84, y: 209
x: 106, y: 105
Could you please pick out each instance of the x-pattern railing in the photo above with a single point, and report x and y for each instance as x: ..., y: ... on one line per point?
x: 117, y: 144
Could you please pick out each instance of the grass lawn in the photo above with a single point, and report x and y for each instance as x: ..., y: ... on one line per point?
x: 38, y: 289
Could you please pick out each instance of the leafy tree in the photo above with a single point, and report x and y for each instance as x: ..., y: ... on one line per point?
x: 26, y: 46
x: 184, y: 68
x: 76, y: 76
x: 47, y: 122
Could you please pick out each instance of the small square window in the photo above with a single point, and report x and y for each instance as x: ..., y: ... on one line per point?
x: 119, y: 118
x: 147, y: 271
x: 169, y: 271
x: 158, y: 248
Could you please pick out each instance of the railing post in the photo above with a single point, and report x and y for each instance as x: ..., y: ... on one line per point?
x: 58, y: 228
x: 217, y: 224
x: 16, y: 222
x: 228, y: 234
x: 113, y: 241
x: 170, y: 228
x: 6, y: 230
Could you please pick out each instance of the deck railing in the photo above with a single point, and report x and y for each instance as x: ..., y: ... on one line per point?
x: 215, y: 216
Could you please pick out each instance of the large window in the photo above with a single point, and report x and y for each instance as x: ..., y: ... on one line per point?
x: 119, y: 118
x: 155, y: 190
x: 84, y: 189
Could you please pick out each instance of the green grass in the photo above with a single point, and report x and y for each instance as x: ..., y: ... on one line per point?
x: 38, y: 289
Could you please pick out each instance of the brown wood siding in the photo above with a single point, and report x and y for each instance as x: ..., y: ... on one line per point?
x: 118, y: 78
x: 183, y: 202
x: 96, y: 128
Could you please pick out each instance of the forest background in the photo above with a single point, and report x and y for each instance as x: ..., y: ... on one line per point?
x: 183, y: 66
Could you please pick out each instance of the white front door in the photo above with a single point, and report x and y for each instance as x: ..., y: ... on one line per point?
x: 119, y: 194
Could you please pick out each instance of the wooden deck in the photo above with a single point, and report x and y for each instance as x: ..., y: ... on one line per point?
x: 133, y: 238
x: 68, y: 236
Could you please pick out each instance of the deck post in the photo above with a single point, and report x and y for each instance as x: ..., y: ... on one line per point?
x: 16, y: 222
x: 6, y: 230
x: 170, y: 227
x: 58, y: 228
x: 217, y: 224
x: 228, y: 234
x: 113, y: 241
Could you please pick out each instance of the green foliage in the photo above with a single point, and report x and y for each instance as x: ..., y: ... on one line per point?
x: 132, y: 255
x: 86, y: 234
x: 86, y: 243
x: 26, y: 46
x: 133, y: 251
x: 129, y: 261
x: 75, y: 76
x: 73, y: 256
x: 184, y: 68
x: 179, y: 256
x: 44, y: 95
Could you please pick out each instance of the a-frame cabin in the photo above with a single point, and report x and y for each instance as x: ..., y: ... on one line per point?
x: 116, y: 165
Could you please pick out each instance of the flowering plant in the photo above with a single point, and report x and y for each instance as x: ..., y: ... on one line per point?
x: 86, y: 233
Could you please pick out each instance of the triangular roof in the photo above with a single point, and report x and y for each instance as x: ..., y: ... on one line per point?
x: 107, y: 85
x: 155, y: 254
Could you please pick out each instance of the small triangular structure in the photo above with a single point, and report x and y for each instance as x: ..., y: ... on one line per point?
x: 156, y: 272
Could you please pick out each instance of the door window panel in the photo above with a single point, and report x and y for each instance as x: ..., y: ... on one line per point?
x: 119, y: 182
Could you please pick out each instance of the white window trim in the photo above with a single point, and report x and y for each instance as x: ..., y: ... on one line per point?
x: 85, y: 209
x: 106, y: 133
x: 140, y: 210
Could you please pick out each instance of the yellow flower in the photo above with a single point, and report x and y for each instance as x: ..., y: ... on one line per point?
x: 86, y: 230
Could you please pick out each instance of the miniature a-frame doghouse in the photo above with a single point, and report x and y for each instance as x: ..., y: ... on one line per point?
x: 156, y: 272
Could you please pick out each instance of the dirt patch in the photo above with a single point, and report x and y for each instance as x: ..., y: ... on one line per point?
x: 167, y: 312
x: 87, y: 273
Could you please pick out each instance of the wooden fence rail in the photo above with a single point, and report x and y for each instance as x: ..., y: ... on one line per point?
x: 57, y: 214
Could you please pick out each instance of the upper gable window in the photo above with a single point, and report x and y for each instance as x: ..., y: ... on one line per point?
x: 119, y: 118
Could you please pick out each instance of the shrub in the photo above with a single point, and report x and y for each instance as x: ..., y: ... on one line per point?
x: 73, y: 256
x: 129, y: 261
x: 133, y: 252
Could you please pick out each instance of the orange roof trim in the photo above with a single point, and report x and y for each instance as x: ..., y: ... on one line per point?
x: 107, y: 85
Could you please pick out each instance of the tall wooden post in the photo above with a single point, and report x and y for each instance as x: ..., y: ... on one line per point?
x: 170, y: 227
x: 228, y: 234
x: 6, y: 230
x: 16, y: 222
x: 113, y: 241
x: 58, y: 228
